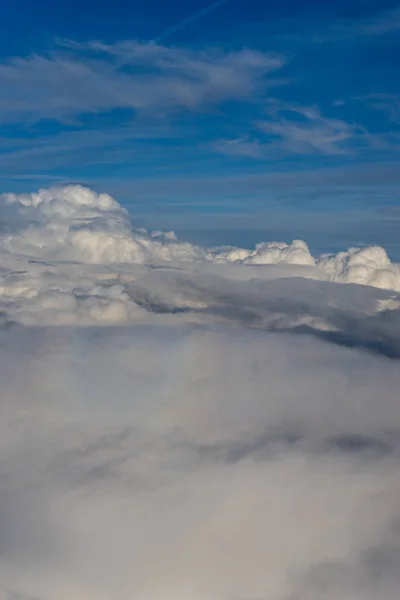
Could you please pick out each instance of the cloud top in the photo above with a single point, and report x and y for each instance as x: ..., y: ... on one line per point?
x: 70, y: 253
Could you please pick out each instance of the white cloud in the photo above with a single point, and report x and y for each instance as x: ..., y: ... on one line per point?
x: 88, y: 78
x: 238, y: 147
x: 308, y: 131
x: 267, y: 253
x: 368, y: 266
x: 69, y: 254
x: 295, y: 129
x: 76, y: 223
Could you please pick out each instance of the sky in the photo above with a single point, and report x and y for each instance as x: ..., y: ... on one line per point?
x: 194, y: 415
x: 236, y: 115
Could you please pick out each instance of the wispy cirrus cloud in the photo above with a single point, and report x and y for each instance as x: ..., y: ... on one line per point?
x: 387, y: 103
x: 65, y: 148
x: 85, y: 105
x: 304, y: 130
x: 146, y: 77
x: 243, y: 146
x: 385, y: 22
x: 295, y: 129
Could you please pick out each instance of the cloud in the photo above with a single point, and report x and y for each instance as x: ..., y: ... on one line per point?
x: 68, y: 98
x: 294, y: 129
x: 386, y: 22
x: 68, y: 149
x: 386, y: 103
x: 76, y: 223
x: 230, y: 464
x: 304, y: 130
x: 237, y: 437
x: 71, y: 255
x: 383, y: 23
x: 189, y: 20
x: 238, y: 147
x: 155, y: 79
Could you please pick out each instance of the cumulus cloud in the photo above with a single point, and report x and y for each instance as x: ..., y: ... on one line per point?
x: 70, y: 254
x: 76, y: 223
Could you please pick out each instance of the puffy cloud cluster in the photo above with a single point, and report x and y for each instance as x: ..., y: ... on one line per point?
x: 76, y: 223
x: 367, y: 266
x: 270, y: 253
x: 70, y: 254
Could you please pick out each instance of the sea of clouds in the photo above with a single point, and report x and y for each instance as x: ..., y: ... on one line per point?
x: 187, y: 423
x: 71, y: 255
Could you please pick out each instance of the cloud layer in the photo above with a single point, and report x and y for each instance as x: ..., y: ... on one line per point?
x: 70, y: 255
x: 162, y: 462
x: 237, y: 438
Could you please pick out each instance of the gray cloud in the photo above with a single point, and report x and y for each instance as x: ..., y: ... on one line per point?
x: 196, y: 453
x: 340, y: 315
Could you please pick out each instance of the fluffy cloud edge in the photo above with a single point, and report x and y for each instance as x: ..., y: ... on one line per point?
x: 72, y: 251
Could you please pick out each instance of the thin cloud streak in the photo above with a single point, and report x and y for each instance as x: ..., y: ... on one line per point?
x: 192, y: 19
x: 386, y: 23
x: 66, y: 85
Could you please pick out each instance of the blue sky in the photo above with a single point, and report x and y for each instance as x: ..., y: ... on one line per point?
x: 239, y: 108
